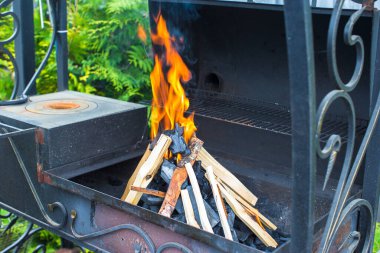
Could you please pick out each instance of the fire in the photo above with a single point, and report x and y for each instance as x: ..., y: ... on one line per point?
x: 169, y: 102
x: 141, y: 34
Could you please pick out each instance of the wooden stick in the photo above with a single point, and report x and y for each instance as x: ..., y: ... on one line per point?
x: 247, y: 220
x: 195, y: 146
x: 134, y: 175
x: 198, y: 198
x: 227, y: 177
x: 188, y: 207
x: 178, y: 178
x: 249, y: 208
x: 149, y: 191
x: 219, y: 204
x: 149, y: 169
x: 174, y: 190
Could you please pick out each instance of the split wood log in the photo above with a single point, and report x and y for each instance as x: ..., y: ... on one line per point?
x: 173, y: 192
x: 219, y: 203
x: 188, y: 207
x: 149, y: 169
x: 251, y: 210
x: 198, y: 199
x: 195, y: 146
x: 152, y: 192
x: 227, y: 177
x: 134, y: 175
x: 179, y: 177
x: 248, y: 220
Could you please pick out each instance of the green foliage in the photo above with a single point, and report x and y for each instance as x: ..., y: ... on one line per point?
x: 6, y: 68
x: 106, y: 57
x: 376, y: 246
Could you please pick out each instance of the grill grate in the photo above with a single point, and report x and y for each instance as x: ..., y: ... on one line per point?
x: 258, y: 114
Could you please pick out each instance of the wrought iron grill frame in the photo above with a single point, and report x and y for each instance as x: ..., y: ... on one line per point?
x: 307, y: 120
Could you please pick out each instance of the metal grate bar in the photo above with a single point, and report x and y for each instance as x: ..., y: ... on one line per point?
x: 258, y: 114
x: 16, y: 130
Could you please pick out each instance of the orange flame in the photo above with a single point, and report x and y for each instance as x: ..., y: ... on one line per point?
x: 141, y: 34
x: 169, y: 102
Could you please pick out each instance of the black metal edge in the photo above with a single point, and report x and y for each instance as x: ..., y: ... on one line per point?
x: 24, y: 44
x: 299, y: 33
x: 371, y: 184
x: 94, y: 163
x: 253, y: 5
x: 62, y: 46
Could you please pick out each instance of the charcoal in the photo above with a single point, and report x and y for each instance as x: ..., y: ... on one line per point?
x: 218, y: 230
x: 185, y: 184
x: 146, y: 206
x: 211, y: 201
x: 250, y: 242
x: 231, y: 219
x: 151, y: 200
x: 167, y: 169
x: 242, y: 235
x: 211, y: 214
x: 242, y: 230
x: 204, y: 185
x: 179, y: 206
x: 179, y: 217
x: 178, y: 145
x: 234, y: 235
x: 194, y: 204
x: 155, y: 209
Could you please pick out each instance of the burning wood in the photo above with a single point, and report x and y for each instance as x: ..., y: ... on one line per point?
x: 215, y: 201
x: 207, y: 191
x: 179, y: 175
x: 149, y: 168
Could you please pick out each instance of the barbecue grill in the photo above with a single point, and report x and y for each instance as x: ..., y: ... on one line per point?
x: 268, y: 99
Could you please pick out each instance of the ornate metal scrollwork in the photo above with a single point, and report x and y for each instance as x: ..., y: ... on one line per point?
x: 341, y: 208
x: 4, y: 51
x: 134, y: 228
x: 3, y: 42
x: 23, y: 238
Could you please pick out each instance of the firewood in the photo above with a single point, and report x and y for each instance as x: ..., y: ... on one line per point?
x: 149, y: 169
x: 173, y: 192
x: 149, y: 191
x: 134, y: 175
x: 227, y: 177
x: 219, y: 203
x: 188, y: 207
x: 251, y: 210
x: 195, y: 146
x: 198, y: 198
x: 248, y: 220
x: 179, y: 177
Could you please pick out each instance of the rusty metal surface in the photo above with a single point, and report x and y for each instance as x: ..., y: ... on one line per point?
x: 126, y: 241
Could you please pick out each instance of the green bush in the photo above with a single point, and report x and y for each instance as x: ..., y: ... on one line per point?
x: 376, y: 246
x: 106, y: 57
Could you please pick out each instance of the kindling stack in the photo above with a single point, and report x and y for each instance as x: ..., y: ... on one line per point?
x: 186, y: 183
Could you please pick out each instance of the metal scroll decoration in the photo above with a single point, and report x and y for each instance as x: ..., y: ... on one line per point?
x: 26, y: 235
x: 341, y: 207
x: 4, y: 41
x: 51, y: 207
x: 23, y: 98
x: 148, y: 240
